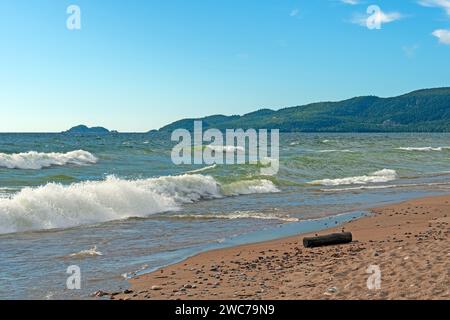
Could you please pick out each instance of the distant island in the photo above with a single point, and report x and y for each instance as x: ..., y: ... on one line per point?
x: 82, y: 129
x: 426, y: 110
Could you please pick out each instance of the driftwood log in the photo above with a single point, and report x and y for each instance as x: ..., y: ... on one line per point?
x: 326, y: 240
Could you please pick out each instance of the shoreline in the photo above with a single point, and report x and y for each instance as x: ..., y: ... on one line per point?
x: 408, y: 242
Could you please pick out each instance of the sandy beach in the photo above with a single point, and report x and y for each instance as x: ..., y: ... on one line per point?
x: 408, y: 242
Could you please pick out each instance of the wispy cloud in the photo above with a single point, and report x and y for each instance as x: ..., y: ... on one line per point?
x: 378, y: 18
x: 410, y: 51
x: 443, y: 36
x: 294, y: 12
x: 352, y: 2
x: 443, y: 4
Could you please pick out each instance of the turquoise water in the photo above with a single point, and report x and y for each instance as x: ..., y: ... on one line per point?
x: 115, y: 205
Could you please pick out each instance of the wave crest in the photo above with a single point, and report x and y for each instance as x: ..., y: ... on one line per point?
x: 384, y: 175
x: 38, y: 160
x: 62, y: 206
x: 249, y: 187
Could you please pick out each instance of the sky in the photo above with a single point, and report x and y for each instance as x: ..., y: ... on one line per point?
x: 137, y: 65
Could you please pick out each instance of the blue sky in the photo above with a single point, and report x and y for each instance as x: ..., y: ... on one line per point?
x: 137, y: 65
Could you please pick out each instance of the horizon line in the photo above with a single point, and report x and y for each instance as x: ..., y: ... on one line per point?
x: 221, y: 114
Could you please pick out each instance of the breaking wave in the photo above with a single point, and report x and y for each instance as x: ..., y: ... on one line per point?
x: 62, y: 206
x: 37, y: 160
x: 384, y: 175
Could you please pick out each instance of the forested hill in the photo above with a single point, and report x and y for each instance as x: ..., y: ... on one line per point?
x: 425, y: 110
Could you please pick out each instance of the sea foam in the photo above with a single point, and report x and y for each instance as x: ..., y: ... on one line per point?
x: 423, y: 148
x: 37, y: 160
x: 384, y: 175
x: 239, y: 215
x: 86, y: 253
x: 62, y: 206
x: 226, y: 148
x: 203, y: 169
x: 249, y: 187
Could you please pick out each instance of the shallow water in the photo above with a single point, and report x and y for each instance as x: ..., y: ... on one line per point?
x: 122, y: 195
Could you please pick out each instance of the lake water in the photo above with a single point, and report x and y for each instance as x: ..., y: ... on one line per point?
x: 116, y: 205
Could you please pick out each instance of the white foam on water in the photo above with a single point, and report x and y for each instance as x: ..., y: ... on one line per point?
x: 423, y: 148
x: 38, y: 160
x: 203, y: 169
x: 226, y: 149
x: 93, y: 252
x: 62, y: 206
x: 335, y: 150
x: 249, y: 187
x: 390, y: 186
x: 6, y: 193
x: 238, y: 215
x: 384, y: 175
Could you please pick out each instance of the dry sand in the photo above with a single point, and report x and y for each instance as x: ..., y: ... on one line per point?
x: 409, y: 242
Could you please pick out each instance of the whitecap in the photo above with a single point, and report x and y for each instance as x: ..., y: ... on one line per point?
x: 422, y: 148
x: 226, y: 149
x: 384, y: 175
x: 249, y: 187
x: 87, y: 253
x: 203, y: 169
x: 334, y: 150
x: 37, y: 160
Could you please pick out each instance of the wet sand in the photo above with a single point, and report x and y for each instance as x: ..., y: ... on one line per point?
x: 408, y: 242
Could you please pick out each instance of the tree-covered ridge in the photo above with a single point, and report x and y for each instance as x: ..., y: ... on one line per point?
x: 426, y: 110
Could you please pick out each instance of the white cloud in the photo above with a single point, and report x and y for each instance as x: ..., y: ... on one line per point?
x: 352, y: 2
x: 444, y: 4
x: 443, y: 36
x: 294, y: 13
x: 378, y: 18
